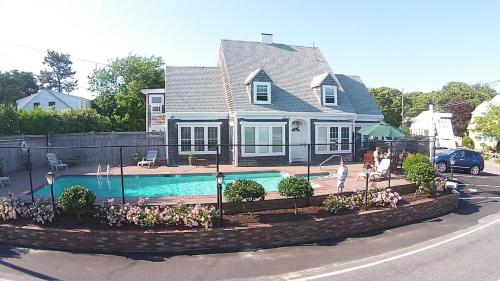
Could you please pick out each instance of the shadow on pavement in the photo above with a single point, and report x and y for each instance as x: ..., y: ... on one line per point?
x: 7, y: 251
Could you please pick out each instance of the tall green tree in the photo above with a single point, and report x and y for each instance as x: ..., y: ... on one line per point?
x: 489, y: 124
x: 10, y: 120
x: 60, y: 75
x: 118, y: 85
x: 389, y: 101
x: 15, y: 85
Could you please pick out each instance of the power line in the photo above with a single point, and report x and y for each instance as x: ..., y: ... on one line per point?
x: 44, y: 51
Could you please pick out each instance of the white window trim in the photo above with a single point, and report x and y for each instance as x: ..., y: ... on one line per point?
x: 205, y: 125
x: 268, y: 125
x: 339, y: 138
x: 323, y: 94
x: 156, y: 105
x: 255, y: 84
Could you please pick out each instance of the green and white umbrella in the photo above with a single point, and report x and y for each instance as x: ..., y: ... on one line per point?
x: 382, y: 129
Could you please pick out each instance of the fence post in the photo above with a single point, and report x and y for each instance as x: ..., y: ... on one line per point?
x: 308, y: 162
x: 31, y: 177
x: 217, y: 158
x: 121, y: 174
x: 390, y: 167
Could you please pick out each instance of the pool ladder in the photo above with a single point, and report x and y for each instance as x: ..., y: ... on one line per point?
x: 99, y: 170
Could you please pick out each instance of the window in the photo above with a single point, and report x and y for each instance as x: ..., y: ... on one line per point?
x: 199, y: 138
x: 263, y: 139
x: 262, y: 92
x: 332, y: 138
x: 52, y: 104
x: 156, y: 103
x: 329, y: 95
x: 36, y: 104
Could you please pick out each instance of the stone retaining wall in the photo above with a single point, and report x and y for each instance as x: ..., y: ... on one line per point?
x: 257, y: 236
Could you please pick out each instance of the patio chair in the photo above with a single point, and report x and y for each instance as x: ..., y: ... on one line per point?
x: 54, y: 163
x: 4, y: 181
x: 149, y: 160
x: 382, y: 170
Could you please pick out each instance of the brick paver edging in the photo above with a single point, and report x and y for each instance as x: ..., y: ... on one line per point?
x: 257, y: 236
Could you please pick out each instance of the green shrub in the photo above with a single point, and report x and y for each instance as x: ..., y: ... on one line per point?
x: 428, y: 189
x: 421, y: 174
x: 241, y: 190
x: 414, y: 159
x: 295, y: 187
x: 486, y: 156
x: 76, y: 200
x: 335, y: 203
x: 467, y: 142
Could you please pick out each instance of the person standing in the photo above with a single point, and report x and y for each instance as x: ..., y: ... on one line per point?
x: 342, y: 172
x: 377, y: 156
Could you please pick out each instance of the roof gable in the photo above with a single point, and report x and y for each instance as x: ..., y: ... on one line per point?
x: 319, y: 79
x: 259, y: 72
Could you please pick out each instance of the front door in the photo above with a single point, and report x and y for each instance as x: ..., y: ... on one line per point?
x: 298, y: 140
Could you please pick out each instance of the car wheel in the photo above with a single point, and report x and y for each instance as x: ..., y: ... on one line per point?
x: 442, y: 167
x: 475, y: 170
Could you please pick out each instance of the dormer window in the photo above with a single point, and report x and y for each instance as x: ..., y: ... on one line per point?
x: 329, y: 95
x: 262, y: 92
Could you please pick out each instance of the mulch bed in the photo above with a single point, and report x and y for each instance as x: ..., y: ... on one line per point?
x: 65, y: 221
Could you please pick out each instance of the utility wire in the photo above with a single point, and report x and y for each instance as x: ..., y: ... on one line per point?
x: 44, y: 51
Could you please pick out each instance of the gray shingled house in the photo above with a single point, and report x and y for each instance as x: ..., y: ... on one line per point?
x: 260, y: 93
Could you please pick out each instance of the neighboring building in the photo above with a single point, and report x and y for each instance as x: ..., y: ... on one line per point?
x: 429, y: 120
x: 46, y: 99
x: 479, y: 111
x: 260, y: 93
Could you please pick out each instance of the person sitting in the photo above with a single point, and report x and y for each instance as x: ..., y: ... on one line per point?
x: 377, y: 156
x: 342, y: 172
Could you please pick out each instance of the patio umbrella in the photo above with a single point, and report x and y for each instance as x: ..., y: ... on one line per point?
x: 382, y: 129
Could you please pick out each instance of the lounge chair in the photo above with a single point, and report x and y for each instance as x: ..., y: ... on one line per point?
x: 4, y: 180
x: 382, y: 170
x: 149, y: 160
x: 54, y: 163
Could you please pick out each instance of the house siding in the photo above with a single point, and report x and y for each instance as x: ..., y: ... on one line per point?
x: 318, y: 158
x: 263, y: 160
x: 173, y: 151
x: 329, y: 81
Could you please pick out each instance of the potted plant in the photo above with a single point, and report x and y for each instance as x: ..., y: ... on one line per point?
x: 137, y: 157
x: 191, y: 159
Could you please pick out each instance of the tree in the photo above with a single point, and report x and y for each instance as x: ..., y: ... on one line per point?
x: 389, y: 101
x: 10, y: 121
x: 489, y: 124
x: 60, y: 76
x: 461, y: 114
x: 119, y: 84
x: 15, y: 85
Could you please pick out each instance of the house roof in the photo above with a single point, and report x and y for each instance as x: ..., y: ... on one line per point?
x: 63, y: 98
x: 293, y: 69
x: 194, y: 89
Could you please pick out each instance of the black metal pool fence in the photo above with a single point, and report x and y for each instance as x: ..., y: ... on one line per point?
x: 101, y: 159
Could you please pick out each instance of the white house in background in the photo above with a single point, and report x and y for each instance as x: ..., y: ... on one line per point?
x: 45, y: 99
x: 428, y: 120
x: 479, y: 111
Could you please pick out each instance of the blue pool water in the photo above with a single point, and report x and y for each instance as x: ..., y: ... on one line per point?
x: 158, y: 185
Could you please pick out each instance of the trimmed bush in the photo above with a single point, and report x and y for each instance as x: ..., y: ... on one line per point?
x: 335, y: 203
x: 76, y: 200
x: 241, y: 190
x: 414, y: 159
x: 467, y: 142
x: 422, y: 174
x: 295, y: 187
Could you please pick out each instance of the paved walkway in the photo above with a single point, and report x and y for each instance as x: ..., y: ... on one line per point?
x: 20, y: 181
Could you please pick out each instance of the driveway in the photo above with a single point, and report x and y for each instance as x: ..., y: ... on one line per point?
x: 461, y: 245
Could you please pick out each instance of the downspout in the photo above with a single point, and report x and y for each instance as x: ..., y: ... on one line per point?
x: 235, y: 140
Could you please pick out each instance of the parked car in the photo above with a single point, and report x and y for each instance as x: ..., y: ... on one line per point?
x: 465, y: 160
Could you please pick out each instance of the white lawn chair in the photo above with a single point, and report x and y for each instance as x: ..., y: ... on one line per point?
x: 4, y: 181
x: 149, y: 160
x: 382, y: 170
x: 54, y: 163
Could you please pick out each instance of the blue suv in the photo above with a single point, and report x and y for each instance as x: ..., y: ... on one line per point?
x: 465, y: 160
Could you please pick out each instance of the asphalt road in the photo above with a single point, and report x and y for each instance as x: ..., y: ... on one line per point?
x: 463, y: 245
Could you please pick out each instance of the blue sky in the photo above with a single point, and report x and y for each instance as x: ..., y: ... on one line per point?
x: 415, y: 45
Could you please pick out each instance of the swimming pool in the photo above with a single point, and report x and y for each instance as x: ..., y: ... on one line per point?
x: 158, y: 185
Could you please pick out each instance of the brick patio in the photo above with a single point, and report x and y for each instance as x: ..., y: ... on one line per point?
x: 20, y: 180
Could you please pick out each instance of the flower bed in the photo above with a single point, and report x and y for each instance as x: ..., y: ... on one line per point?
x: 283, y: 230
